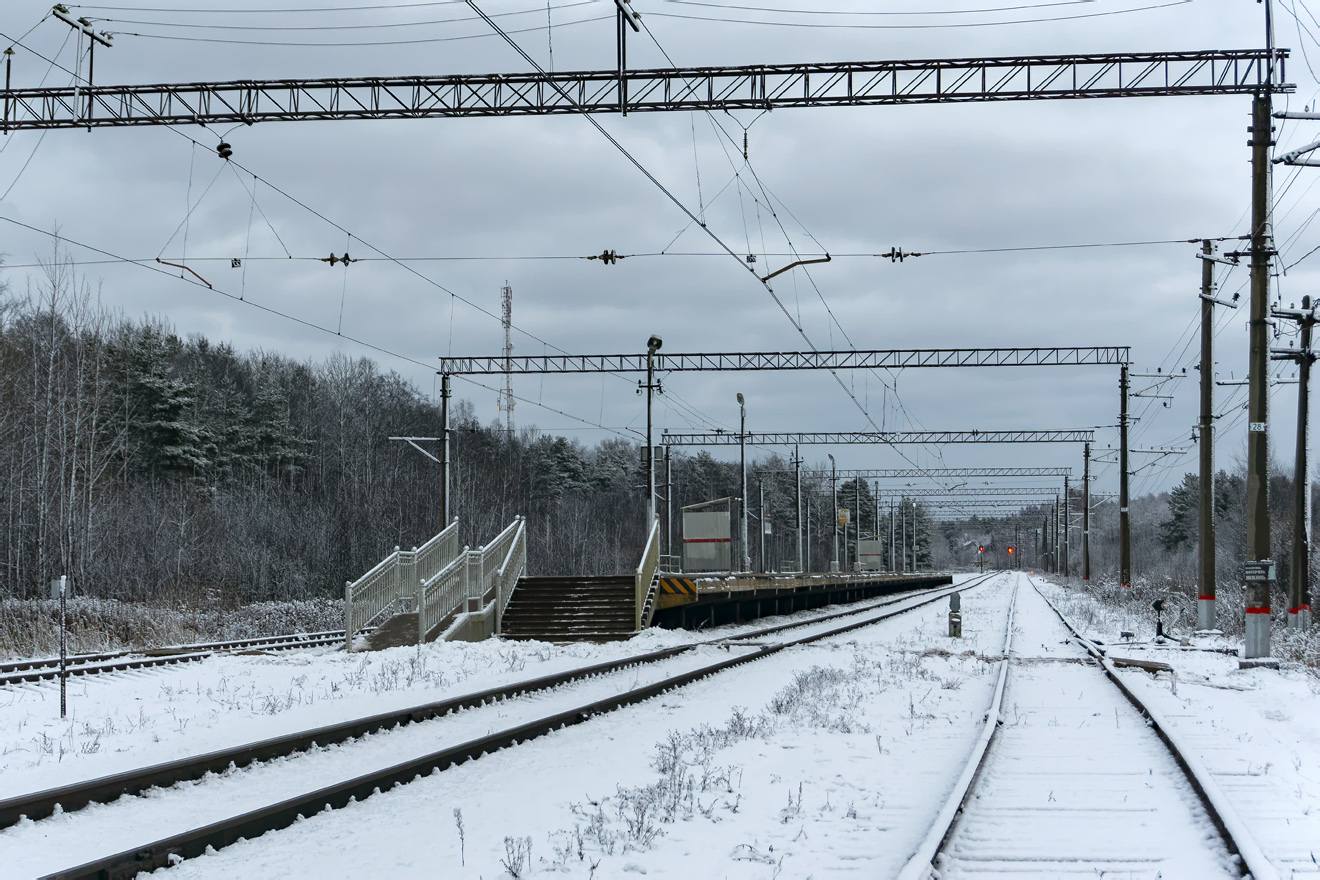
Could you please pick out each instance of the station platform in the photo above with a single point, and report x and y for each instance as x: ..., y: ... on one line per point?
x: 690, y: 601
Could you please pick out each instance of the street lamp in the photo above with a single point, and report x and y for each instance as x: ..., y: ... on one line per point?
x: 742, y: 455
x: 834, y: 514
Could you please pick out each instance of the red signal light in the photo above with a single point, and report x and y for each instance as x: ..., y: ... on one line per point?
x: 1010, y: 551
x: 980, y: 549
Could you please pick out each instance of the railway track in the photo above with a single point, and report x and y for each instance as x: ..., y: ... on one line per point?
x: 1080, y: 778
x: 47, y: 669
x: 253, y: 823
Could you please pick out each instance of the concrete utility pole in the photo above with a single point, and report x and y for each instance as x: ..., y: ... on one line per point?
x: 797, y: 482
x: 1205, y: 563
x: 1124, y: 470
x: 834, y: 513
x: 1086, y: 512
x: 1299, y: 586
x: 742, y: 456
x: 1259, y: 573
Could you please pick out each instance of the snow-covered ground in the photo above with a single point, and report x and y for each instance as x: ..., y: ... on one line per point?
x: 1256, y: 730
x: 829, y: 759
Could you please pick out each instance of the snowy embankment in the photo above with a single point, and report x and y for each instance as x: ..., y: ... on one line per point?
x: 837, y: 740
x: 1257, y: 731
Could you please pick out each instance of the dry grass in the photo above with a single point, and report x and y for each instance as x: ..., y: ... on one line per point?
x: 30, y: 628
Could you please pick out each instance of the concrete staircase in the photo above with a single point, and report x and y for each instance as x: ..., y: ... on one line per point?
x: 398, y: 630
x: 571, y: 609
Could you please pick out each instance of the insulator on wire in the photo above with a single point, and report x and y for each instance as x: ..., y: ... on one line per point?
x: 224, y: 150
x: 744, y: 145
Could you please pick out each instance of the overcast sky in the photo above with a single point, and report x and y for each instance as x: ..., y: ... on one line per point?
x: 842, y: 180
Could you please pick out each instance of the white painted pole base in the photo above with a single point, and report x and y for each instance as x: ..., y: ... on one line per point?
x: 1299, y: 619
x: 1258, y: 635
x: 1205, y: 613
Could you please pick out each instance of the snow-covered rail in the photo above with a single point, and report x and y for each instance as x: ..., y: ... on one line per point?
x: 1080, y: 778
x: 254, y: 822
x: 48, y: 668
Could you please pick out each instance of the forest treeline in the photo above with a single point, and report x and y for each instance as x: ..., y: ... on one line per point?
x: 151, y: 467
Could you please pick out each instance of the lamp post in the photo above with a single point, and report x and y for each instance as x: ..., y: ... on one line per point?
x: 742, y: 455
x: 834, y: 513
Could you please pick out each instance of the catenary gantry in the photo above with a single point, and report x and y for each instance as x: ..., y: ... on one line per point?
x: 819, y: 438
x: 922, y: 473
x: 883, y: 359
x: 749, y: 87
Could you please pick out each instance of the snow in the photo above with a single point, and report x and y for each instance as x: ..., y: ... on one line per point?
x: 1257, y: 732
x: 823, y: 760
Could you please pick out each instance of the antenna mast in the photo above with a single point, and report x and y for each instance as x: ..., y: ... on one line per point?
x: 506, y: 301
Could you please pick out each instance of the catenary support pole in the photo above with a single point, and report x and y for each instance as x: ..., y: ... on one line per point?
x: 674, y: 564
x: 1205, y: 561
x: 1299, y: 587
x: 1067, y: 529
x: 902, y: 536
x: 760, y: 485
x: 446, y: 503
x: 857, y: 527
x: 1124, y: 471
x: 893, y: 560
x: 651, y: 346
x: 1259, y: 577
x: 834, y: 513
x: 1086, y: 512
x: 797, y: 502
x: 742, y: 459
x: 64, y: 644
x: 914, y: 536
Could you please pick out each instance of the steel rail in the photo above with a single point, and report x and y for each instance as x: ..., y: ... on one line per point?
x: 47, y: 669
x: 39, y: 805
x: 1251, y: 861
x: 168, y: 851
x: 750, y: 87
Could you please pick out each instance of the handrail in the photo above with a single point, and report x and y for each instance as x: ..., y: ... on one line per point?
x: 644, y: 579
x: 393, y: 577
x: 516, y: 559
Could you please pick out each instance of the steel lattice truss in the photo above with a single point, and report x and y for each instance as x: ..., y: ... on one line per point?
x: 820, y: 438
x: 996, y: 492
x: 790, y: 360
x: 912, y: 473
x: 755, y: 87
x: 949, y: 504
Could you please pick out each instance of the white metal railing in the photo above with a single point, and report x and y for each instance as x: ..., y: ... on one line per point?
x: 646, y: 577
x: 392, y: 579
x: 505, y: 578
x: 473, y: 578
